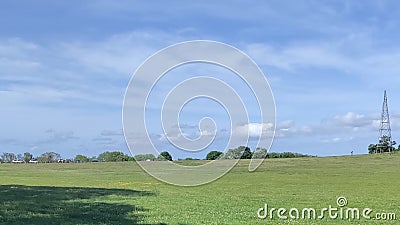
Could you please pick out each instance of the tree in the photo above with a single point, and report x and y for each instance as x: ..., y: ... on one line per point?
x: 213, y: 155
x: 144, y: 157
x: 247, y: 154
x: 289, y: 155
x: 384, y: 145
x: 372, y: 148
x: 164, y: 156
x: 81, y: 158
x: 260, y: 153
x: 114, y: 157
x: 19, y: 157
x: 235, y: 153
x: 238, y: 153
x: 273, y: 155
x: 49, y: 157
x: 8, y: 157
x: 27, y: 157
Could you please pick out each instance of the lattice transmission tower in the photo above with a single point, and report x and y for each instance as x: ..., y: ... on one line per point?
x: 385, y: 130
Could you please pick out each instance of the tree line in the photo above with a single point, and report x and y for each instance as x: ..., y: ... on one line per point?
x: 53, y: 157
x: 241, y: 152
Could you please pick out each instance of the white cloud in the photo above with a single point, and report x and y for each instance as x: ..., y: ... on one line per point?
x: 338, y: 140
x: 255, y: 129
x: 353, y: 120
x: 288, y: 128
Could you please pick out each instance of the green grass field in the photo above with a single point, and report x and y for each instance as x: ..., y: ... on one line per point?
x: 121, y: 193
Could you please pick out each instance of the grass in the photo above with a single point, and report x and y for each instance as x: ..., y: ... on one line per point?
x: 121, y: 193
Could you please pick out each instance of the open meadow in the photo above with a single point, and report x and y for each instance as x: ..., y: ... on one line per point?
x: 121, y: 193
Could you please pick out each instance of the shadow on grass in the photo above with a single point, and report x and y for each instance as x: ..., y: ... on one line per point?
x: 68, y: 205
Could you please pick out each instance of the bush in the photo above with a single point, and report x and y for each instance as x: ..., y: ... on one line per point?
x: 237, y: 153
x: 274, y: 155
x: 246, y: 154
x: 145, y: 157
x: 164, y: 156
x: 260, y: 153
x: 81, y: 158
x: 49, y: 157
x: 213, y: 155
x: 114, y: 157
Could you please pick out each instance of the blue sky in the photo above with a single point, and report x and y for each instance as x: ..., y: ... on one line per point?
x: 64, y: 67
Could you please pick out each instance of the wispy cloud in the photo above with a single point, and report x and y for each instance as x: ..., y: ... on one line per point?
x: 361, y: 62
x: 107, y: 133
